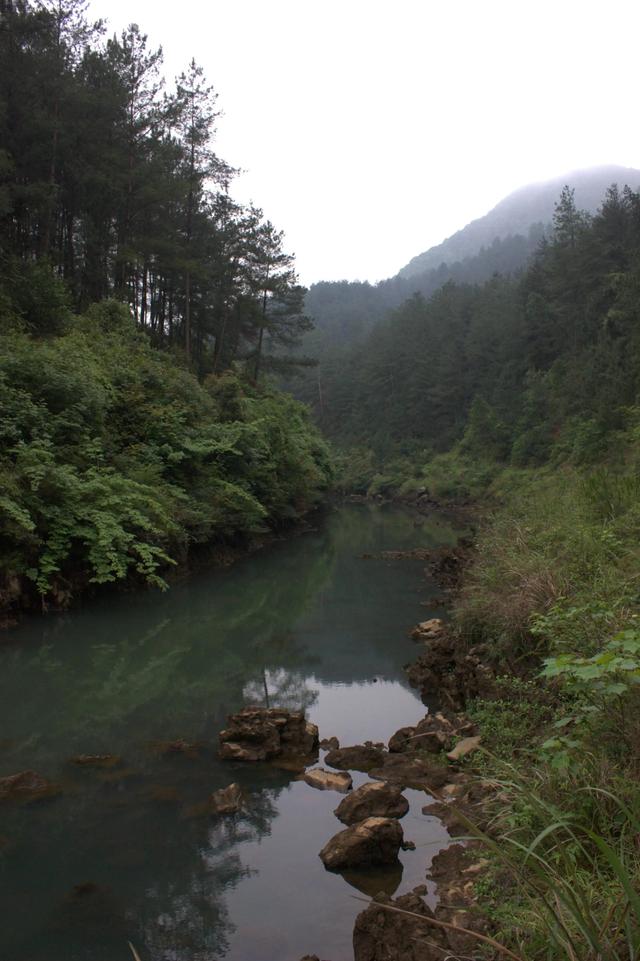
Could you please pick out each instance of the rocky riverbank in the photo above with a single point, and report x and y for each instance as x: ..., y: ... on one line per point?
x: 429, y: 756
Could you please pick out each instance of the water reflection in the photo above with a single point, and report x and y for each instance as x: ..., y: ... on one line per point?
x: 126, y: 853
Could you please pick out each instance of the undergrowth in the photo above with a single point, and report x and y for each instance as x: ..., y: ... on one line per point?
x: 554, y: 596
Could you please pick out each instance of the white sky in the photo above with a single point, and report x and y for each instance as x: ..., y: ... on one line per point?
x: 370, y: 130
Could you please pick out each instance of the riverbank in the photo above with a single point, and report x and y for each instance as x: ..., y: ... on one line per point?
x: 544, y: 658
x: 118, y: 464
x: 21, y: 599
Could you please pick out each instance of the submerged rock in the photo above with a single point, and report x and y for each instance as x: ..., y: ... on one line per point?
x: 179, y: 746
x: 258, y: 734
x: 374, y: 799
x: 97, y: 760
x: 374, y: 841
x: 409, y: 770
x: 380, y: 934
x: 328, y: 780
x: 228, y: 800
x: 358, y: 757
x: 26, y: 786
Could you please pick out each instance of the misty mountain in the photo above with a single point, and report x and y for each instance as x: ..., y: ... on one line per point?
x: 502, y: 242
x: 516, y: 213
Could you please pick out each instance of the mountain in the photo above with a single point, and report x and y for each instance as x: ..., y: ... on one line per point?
x: 518, y: 212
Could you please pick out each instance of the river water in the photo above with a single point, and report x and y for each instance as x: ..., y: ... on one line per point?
x: 127, y: 854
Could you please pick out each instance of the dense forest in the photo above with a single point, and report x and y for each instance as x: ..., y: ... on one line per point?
x: 518, y: 369
x: 140, y: 307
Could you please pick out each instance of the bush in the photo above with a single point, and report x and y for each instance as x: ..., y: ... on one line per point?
x: 114, y: 459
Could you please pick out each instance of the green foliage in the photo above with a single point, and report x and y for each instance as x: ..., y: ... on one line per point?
x: 611, y: 495
x: 514, y: 719
x: 532, y: 370
x: 38, y: 300
x: 568, y: 866
x: 115, y: 460
x: 485, y: 436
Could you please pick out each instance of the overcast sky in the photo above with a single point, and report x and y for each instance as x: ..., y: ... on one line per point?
x: 369, y: 130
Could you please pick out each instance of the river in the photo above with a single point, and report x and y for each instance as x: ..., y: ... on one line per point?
x: 126, y: 853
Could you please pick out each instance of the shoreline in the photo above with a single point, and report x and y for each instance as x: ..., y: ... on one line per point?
x: 25, y: 602
x: 392, y: 923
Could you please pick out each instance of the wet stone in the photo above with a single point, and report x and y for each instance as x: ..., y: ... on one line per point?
x: 373, y: 799
x: 374, y: 841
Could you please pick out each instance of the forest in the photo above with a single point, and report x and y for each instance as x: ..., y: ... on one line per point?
x: 140, y: 309
x: 519, y: 370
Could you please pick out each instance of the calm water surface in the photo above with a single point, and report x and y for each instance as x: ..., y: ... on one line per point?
x: 126, y: 854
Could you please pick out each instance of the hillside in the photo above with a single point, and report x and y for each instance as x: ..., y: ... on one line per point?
x: 517, y: 213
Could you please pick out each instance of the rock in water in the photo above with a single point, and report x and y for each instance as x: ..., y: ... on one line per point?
x: 359, y: 757
x: 374, y: 841
x: 380, y: 934
x: 258, y: 734
x: 97, y: 760
x: 427, y: 630
x: 26, y: 786
x: 228, y: 800
x: 328, y: 780
x: 374, y: 799
x: 424, y: 773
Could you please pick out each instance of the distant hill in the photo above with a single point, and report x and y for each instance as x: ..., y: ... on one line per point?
x: 519, y: 211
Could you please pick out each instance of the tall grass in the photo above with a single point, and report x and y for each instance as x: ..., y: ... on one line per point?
x: 575, y: 879
x: 562, y: 542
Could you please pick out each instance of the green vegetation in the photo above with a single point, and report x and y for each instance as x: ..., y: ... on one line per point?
x: 112, y: 181
x: 553, y: 598
x: 520, y: 371
x: 140, y: 308
x: 116, y: 461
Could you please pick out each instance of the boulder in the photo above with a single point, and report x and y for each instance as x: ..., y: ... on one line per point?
x: 228, y: 800
x: 328, y: 780
x: 258, y: 734
x: 374, y: 841
x: 380, y: 934
x: 330, y: 744
x: 26, y: 786
x: 358, y: 757
x: 374, y: 799
x: 432, y: 734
